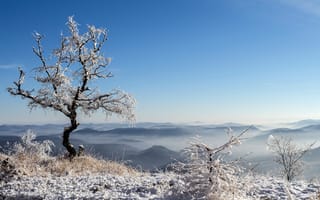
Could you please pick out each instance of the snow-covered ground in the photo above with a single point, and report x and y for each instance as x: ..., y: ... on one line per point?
x: 106, y: 186
x: 141, y: 186
x: 274, y: 188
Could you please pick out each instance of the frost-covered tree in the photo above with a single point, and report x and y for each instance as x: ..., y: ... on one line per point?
x: 207, y: 174
x: 66, y: 80
x: 288, y: 155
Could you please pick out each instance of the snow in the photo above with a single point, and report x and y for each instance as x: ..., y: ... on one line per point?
x: 103, y: 186
x: 140, y: 186
x: 275, y: 188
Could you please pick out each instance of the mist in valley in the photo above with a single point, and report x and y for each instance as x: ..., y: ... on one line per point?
x: 152, y: 146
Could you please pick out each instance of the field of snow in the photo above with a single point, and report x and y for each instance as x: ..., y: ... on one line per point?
x: 141, y: 186
x: 89, y: 187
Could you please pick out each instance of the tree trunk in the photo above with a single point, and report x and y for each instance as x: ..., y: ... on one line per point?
x: 66, y: 134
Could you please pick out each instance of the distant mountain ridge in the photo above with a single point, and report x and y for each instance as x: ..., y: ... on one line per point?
x: 138, y: 131
x: 154, y: 157
x: 152, y: 146
x: 303, y: 123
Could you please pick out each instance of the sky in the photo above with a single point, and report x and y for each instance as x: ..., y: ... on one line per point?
x: 211, y: 61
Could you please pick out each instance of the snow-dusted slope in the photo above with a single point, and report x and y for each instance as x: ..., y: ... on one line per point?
x: 103, y: 186
x: 141, y: 186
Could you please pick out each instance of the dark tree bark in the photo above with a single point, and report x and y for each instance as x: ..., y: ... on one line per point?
x: 66, y: 135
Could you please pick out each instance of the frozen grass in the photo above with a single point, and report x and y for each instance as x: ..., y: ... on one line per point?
x: 59, y: 166
x: 88, y: 164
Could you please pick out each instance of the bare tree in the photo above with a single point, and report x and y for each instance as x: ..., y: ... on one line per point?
x: 66, y: 84
x: 288, y: 155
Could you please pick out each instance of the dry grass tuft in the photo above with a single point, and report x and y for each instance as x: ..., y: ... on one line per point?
x: 3, y: 156
x: 87, y: 164
x: 32, y: 165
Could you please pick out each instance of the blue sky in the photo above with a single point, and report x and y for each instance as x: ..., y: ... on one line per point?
x: 253, y: 61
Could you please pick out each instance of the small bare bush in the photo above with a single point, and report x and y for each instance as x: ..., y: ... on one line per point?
x: 30, y: 147
x: 288, y: 155
x: 29, y: 155
x: 208, y: 175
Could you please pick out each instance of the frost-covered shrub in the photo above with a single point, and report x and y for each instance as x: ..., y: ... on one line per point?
x: 30, y: 147
x: 206, y: 173
x: 288, y: 155
x: 30, y: 156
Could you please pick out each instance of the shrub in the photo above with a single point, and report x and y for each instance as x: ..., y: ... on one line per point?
x: 207, y: 175
x: 30, y: 147
x: 288, y: 155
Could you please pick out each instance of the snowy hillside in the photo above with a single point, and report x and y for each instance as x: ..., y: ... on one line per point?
x: 142, y: 186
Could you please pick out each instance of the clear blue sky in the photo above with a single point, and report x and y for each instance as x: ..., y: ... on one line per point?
x: 252, y: 61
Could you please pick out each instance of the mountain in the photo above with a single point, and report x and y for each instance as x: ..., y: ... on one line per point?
x: 174, y: 131
x: 111, y: 128
x: 88, y: 131
x: 46, y: 129
x: 285, y: 130
x: 311, y: 132
x: 118, y: 152
x: 303, y: 123
x: 7, y: 142
x: 154, y: 158
x: 315, y: 127
x: 151, y: 146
